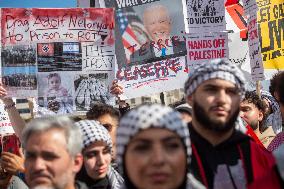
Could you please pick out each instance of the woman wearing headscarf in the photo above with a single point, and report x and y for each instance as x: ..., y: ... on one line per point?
x: 97, y: 171
x: 153, y: 149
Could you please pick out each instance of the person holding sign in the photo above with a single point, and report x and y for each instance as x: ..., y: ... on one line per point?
x: 10, y: 107
x: 158, y: 24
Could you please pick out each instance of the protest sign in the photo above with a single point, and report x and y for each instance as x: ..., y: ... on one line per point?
x: 205, y: 16
x: 5, y: 123
x: 149, y: 31
x: 235, y: 18
x: 154, y: 77
x: 44, y: 51
x: 250, y: 7
x: 202, y: 47
x: 254, y: 49
x: 240, y: 57
x: 270, y: 18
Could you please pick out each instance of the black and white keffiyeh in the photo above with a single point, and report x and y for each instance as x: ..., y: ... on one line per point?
x: 93, y: 131
x: 275, y: 118
x: 215, y: 69
x: 149, y: 116
x: 115, y: 179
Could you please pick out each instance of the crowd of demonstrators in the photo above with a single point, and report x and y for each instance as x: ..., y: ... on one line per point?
x: 193, y: 145
x: 223, y: 157
x: 253, y: 111
x: 20, y: 80
x: 97, y: 171
x: 18, y: 57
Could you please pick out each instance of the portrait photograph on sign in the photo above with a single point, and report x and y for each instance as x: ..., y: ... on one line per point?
x: 150, y: 31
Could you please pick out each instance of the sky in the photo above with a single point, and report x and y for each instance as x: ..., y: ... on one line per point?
x: 38, y: 3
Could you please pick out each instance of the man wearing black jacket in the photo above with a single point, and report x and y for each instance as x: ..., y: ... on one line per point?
x: 223, y: 157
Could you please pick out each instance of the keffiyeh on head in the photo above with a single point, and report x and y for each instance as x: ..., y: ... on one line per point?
x: 274, y: 119
x: 150, y: 116
x: 93, y: 131
x: 272, y: 101
x: 215, y: 69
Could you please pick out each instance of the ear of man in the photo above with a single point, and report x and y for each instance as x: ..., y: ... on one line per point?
x: 77, y: 163
x: 189, y: 100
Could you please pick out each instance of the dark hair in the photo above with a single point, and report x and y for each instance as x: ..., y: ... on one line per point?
x: 279, y: 88
x: 100, y: 109
x: 252, y: 97
x: 54, y: 75
x: 274, y: 83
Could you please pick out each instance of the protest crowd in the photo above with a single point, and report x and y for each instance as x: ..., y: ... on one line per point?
x: 220, y: 135
x: 199, y: 143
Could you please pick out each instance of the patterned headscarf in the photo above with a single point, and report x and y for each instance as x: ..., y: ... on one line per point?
x: 274, y: 119
x: 215, y: 69
x: 149, y: 116
x: 93, y: 131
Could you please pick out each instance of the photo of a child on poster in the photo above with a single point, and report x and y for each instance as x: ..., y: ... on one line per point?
x: 55, y: 92
x: 156, y: 33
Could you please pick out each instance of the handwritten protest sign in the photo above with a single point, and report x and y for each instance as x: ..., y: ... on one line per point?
x: 98, y: 57
x: 240, y: 57
x: 250, y: 7
x: 254, y: 49
x: 206, y: 16
x: 46, y: 50
x: 37, y: 25
x: 203, y: 47
x: 150, y: 46
x: 152, y: 78
x: 5, y: 123
x: 270, y: 18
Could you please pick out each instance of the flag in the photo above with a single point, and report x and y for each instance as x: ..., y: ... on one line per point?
x: 45, y: 49
x: 71, y: 47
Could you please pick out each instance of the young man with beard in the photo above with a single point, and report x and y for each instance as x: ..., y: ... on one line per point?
x: 222, y: 156
x: 252, y: 111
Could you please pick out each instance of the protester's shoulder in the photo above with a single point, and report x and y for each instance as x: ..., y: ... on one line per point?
x: 17, y: 183
x: 80, y: 185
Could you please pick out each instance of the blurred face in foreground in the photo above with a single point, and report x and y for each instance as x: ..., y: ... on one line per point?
x: 156, y: 159
x: 97, y: 159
